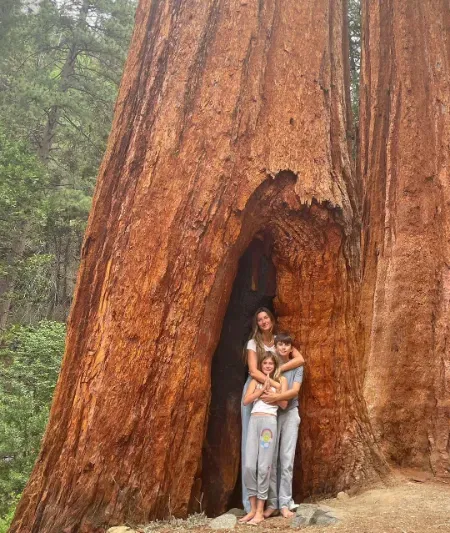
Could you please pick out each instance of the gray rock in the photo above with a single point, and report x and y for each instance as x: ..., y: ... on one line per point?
x: 342, y: 496
x: 303, y: 515
x: 224, y: 521
x: 309, y: 514
x: 236, y: 512
x: 324, y: 518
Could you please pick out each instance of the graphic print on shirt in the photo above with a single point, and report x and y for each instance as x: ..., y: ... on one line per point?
x: 266, y: 438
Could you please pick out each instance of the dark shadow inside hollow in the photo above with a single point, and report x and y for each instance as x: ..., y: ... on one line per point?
x: 254, y: 287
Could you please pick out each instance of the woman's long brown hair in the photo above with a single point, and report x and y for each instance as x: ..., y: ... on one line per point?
x: 257, y: 335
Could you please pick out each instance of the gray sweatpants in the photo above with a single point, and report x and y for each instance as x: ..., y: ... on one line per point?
x: 259, y: 452
x: 246, y: 411
x: 280, y: 487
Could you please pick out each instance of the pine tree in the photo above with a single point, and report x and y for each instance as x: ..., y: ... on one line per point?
x: 59, y: 79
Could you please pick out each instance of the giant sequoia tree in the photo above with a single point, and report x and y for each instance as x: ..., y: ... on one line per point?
x: 405, y: 140
x: 231, y: 135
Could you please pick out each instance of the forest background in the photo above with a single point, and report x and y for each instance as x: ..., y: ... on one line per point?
x: 60, y: 69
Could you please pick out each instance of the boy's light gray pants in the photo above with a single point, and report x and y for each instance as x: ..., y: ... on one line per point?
x: 246, y: 411
x: 259, y: 453
x: 280, y: 487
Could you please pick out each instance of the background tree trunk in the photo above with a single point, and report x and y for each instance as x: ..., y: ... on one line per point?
x: 231, y: 125
x: 405, y: 138
x: 47, y: 138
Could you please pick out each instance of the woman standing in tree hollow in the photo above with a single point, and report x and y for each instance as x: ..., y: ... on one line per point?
x: 261, y: 341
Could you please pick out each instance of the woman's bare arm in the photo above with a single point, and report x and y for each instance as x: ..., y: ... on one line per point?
x: 252, y: 361
x: 296, y: 361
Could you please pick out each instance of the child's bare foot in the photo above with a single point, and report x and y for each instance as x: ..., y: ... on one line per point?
x: 286, y: 513
x: 269, y: 512
x: 247, y: 517
x: 259, y: 517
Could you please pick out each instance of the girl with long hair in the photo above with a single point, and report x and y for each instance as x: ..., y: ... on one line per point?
x: 261, y: 437
x: 261, y: 341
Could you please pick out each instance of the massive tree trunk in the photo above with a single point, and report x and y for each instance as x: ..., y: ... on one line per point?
x: 230, y: 128
x: 405, y: 136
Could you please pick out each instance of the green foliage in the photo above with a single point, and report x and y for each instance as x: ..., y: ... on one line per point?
x: 6, y: 519
x: 23, y: 183
x: 34, y: 280
x: 59, y: 75
x: 23, y: 189
x: 354, y: 30
x: 30, y: 358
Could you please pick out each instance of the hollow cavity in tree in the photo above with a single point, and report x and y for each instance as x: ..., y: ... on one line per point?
x: 295, y: 256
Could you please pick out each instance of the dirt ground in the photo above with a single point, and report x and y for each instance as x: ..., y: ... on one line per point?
x: 409, y: 506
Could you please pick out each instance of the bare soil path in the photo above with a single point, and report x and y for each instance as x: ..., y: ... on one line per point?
x: 407, y: 507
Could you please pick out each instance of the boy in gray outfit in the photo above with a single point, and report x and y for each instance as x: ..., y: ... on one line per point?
x: 280, y: 487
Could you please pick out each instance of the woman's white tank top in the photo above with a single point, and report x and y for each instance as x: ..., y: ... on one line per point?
x: 251, y: 345
x: 262, y: 407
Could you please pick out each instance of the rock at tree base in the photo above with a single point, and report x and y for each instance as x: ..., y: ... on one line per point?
x: 236, y: 512
x: 225, y: 521
x: 324, y: 518
x: 303, y: 515
x: 342, y: 496
x: 308, y: 514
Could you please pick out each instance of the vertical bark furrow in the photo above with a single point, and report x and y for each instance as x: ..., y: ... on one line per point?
x: 405, y: 218
x: 196, y: 69
x: 253, y: 74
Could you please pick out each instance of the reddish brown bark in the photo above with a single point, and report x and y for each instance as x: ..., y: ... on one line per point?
x: 231, y: 122
x: 405, y: 138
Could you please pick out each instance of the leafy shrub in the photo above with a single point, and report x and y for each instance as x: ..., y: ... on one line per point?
x: 30, y: 359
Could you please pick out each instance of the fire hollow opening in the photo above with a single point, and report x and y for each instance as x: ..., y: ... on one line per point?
x: 296, y: 264
x: 254, y: 287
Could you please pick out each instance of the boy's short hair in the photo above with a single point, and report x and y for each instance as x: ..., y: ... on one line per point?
x: 285, y: 338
